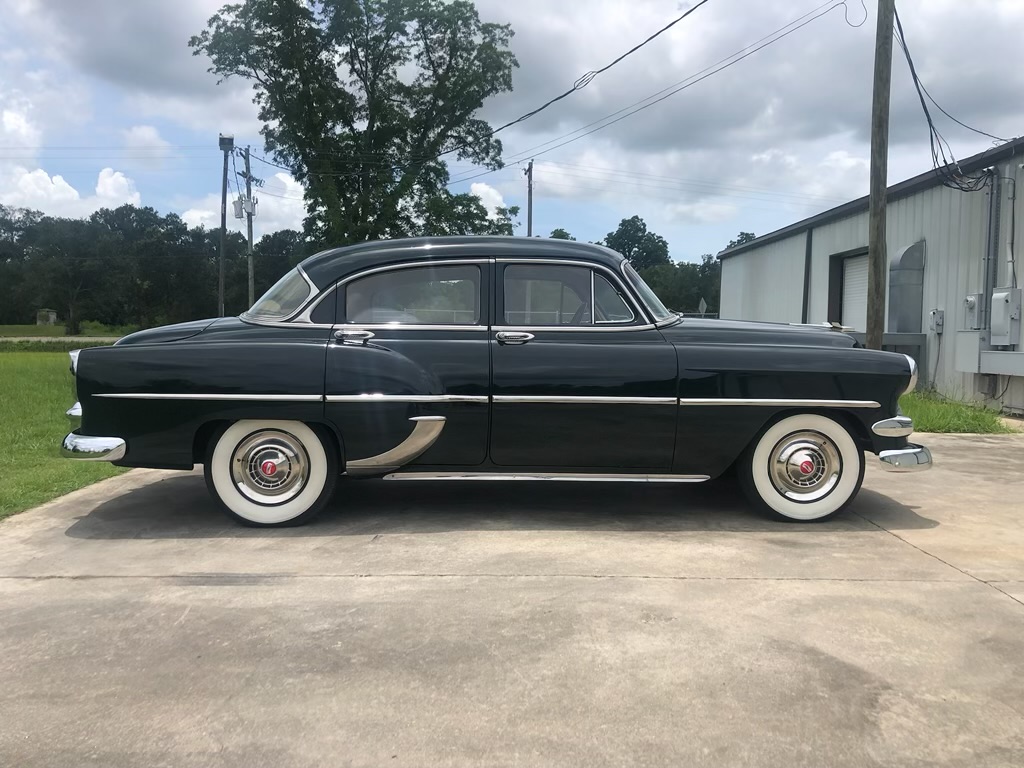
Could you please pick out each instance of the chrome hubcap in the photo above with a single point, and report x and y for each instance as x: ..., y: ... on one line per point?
x: 805, y: 466
x: 270, y: 467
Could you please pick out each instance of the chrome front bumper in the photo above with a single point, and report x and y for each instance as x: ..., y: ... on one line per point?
x: 913, y: 458
x: 88, y: 448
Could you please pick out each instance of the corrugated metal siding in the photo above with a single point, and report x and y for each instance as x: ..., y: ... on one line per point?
x: 761, y: 284
x: 954, y: 226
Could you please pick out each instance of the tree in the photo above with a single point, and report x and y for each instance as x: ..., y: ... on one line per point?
x: 741, y: 238
x: 560, y: 234
x: 641, y: 248
x: 362, y: 99
x: 462, y: 215
x: 65, y: 264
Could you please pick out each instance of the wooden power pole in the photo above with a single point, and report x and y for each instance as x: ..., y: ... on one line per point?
x: 227, y: 145
x: 877, y: 260
x: 529, y: 199
x: 249, y: 210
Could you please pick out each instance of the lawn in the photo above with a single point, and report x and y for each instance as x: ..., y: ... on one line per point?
x: 35, y: 390
x: 934, y: 413
x: 31, y: 330
x: 89, y: 328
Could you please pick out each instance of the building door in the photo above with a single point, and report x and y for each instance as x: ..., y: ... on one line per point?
x: 855, y: 292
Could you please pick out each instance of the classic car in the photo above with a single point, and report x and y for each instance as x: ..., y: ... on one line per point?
x: 489, y: 358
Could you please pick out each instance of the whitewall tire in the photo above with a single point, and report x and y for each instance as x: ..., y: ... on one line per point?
x: 802, y: 468
x: 271, y: 473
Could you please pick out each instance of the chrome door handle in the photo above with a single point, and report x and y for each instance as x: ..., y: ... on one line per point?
x: 513, y: 337
x: 353, y: 336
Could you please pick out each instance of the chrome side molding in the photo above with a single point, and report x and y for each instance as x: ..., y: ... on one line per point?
x: 424, y: 434
x: 562, y: 476
x: 898, y: 426
x: 779, y: 402
x: 88, y: 448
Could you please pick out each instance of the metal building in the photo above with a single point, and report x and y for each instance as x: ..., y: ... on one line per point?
x: 953, y: 293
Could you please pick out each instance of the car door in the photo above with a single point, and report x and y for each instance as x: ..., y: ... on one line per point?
x: 410, y: 346
x: 580, y: 378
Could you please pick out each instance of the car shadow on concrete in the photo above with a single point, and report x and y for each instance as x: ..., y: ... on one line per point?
x: 180, y: 508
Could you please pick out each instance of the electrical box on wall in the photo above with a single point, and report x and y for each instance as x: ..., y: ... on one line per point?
x: 1006, y: 317
x: 936, y: 321
x: 972, y: 312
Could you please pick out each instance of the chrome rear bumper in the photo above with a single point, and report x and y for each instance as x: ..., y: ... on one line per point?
x: 88, y: 448
x: 913, y: 458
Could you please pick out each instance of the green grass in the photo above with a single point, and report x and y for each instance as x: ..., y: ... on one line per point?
x: 933, y: 413
x: 31, y: 330
x: 89, y: 328
x: 49, y: 346
x: 35, y: 390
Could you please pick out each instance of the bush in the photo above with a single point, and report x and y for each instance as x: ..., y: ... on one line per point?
x: 90, y: 328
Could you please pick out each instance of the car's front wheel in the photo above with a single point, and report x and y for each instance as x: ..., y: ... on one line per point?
x: 802, y: 468
x: 271, y: 473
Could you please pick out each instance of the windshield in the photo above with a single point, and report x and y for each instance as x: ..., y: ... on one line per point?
x: 286, y: 296
x: 650, y: 298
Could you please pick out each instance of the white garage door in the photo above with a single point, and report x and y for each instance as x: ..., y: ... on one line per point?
x: 855, y: 292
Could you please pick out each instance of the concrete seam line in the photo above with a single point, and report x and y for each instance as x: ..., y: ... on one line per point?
x: 253, y: 578
x: 944, y: 562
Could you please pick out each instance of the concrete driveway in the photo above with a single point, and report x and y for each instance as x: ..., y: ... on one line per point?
x: 522, y: 625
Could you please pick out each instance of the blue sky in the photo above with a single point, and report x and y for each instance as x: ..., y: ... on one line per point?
x: 102, y: 103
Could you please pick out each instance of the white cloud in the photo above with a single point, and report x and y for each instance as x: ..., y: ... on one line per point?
x: 701, y: 212
x: 53, y: 195
x: 490, y: 197
x: 146, y: 146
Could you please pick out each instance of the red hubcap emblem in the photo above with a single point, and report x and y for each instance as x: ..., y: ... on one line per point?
x: 268, y: 468
x: 807, y: 466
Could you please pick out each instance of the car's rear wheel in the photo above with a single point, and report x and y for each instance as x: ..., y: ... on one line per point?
x: 271, y: 473
x: 802, y: 468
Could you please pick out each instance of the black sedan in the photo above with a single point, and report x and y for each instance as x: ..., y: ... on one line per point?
x: 489, y: 359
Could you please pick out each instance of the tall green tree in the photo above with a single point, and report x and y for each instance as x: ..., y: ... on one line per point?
x: 741, y: 238
x: 641, y: 247
x: 361, y: 98
x: 560, y: 234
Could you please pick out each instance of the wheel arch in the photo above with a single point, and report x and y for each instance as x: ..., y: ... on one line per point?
x: 208, y: 430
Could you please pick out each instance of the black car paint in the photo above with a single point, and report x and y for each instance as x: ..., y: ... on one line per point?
x: 686, y: 358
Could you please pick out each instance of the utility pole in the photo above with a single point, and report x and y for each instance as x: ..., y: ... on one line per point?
x: 879, y: 174
x: 227, y: 145
x: 249, y: 209
x: 529, y: 199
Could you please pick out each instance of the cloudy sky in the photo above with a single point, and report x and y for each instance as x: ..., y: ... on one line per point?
x: 102, y: 103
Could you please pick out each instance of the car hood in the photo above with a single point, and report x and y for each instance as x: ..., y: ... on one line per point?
x: 175, y: 332
x: 702, y: 331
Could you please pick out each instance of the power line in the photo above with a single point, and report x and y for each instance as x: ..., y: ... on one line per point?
x: 234, y: 173
x: 943, y: 160
x: 582, y: 82
x: 587, y: 78
x: 671, y: 90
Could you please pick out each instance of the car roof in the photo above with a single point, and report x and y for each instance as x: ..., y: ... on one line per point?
x: 327, y: 267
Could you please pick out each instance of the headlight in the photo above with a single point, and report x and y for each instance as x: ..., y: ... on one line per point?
x: 73, y: 354
x: 913, y: 374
